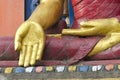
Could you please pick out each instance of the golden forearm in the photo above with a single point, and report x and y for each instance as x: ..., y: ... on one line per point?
x: 110, y: 28
x: 79, y: 32
x: 54, y: 35
x: 106, y: 43
x: 95, y: 27
x: 48, y: 12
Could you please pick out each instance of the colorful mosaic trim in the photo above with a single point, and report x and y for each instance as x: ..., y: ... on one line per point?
x: 73, y: 68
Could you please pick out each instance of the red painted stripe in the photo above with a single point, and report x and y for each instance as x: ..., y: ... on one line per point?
x: 108, y: 10
x: 100, y: 62
x: 116, y: 12
x: 82, y: 5
x: 88, y: 8
x: 75, y: 2
x: 52, y: 62
x: 96, y: 10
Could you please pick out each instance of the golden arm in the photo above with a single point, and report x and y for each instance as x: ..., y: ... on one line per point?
x: 110, y: 28
x: 30, y: 36
x: 48, y: 12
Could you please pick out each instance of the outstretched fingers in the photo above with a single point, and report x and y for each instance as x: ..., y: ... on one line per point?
x: 28, y: 56
x: 87, y: 24
x: 34, y: 54
x: 40, y: 50
x: 22, y: 56
x: 79, y: 32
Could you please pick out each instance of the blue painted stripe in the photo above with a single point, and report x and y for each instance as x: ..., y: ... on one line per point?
x: 19, y: 70
x: 83, y: 68
x: 71, y: 13
x: 30, y: 6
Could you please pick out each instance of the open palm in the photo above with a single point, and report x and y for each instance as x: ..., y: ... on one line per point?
x: 30, y: 41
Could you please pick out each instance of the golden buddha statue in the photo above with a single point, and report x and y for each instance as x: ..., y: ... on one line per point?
x: 30, y: 36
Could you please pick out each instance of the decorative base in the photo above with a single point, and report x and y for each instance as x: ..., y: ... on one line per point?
x: 92, y: 70
x: 63, y: 76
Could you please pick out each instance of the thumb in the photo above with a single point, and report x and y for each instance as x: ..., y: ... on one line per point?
x: 21, y: 32
x: 17, y: 46
x: 99, y: 22
x: 88, y: 24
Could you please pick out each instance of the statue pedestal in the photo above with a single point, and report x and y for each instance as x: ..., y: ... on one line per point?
x: 91, y: 70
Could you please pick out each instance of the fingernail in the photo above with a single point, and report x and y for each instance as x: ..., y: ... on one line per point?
x: 82, y: 23
x: 38, y: 58
x: 32, y: 63
x: 26, y: 65
x: 20, y: 64
x: 16, y: 46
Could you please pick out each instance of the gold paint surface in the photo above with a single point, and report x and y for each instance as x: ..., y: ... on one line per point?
x: 109, y: 28
x: 49, y: 68
x: 8, y: 70
x: 119, y: 67
x: 72, y: 68
x: 30, y: 36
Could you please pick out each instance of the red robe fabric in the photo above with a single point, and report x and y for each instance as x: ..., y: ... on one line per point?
x: 94, y: 9
x: 63, y: 51
x: 70, y: 50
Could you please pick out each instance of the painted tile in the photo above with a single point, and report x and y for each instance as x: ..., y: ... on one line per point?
x: 19, y: 70
x: 83, y: 68
x: 72, y: 68
x: 119, y: 67
x: 109, y: 67
x: 8, y: 70
x: 39, y: 69
x: 49, y: 68
x: 1, y: 70
x: 96, y: 68
x: 29, y: 69
x: 60, y: 68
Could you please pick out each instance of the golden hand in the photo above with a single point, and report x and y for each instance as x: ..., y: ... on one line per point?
x: 107, y: 42
x: 95, y: 27
x: 30, y: 37
x: 110, y: 28
x: 30, y: 41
